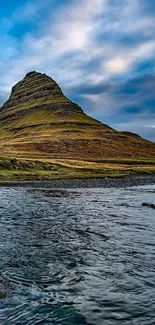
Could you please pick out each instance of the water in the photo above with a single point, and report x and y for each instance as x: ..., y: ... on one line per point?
x: 84, y: 256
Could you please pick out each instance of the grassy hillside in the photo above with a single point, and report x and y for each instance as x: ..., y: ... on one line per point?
x: 39, y: 122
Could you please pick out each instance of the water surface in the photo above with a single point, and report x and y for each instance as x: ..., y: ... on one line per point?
x: 78, y: 256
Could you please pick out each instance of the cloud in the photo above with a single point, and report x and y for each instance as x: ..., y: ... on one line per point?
x: 3, y: 97
x: 68, y: 33
x: 117, y: 65
x: 146, y: 128
x: 90, y: 31
x: 127, y: 105
x: 111, y: 97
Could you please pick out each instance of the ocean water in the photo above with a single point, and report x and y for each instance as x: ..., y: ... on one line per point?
x: 78, y: 256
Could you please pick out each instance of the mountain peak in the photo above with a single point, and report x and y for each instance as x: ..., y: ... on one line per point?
x: 36, y: 74
x: 32, y: 73
x: 37, y: 90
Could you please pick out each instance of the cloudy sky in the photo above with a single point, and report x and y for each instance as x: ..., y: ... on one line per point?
x: 101, y: 52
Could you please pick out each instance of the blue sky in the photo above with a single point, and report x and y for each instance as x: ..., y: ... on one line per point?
x: 101, y: 52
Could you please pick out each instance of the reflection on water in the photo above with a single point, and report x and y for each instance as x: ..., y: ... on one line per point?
x: 83, y: 256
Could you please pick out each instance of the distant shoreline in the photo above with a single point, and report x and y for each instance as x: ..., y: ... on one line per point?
x: 107, y: 182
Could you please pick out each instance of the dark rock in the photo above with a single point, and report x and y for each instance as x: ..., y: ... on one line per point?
x: 4, y: 287
x: 149, y: 205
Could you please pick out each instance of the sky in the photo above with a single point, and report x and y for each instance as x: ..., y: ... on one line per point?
x: 100, y: 52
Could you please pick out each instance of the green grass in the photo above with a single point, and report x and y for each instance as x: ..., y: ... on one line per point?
x: 28, y: 83
x: 31, y: 89
x: 20, y: 169
x: 38, y: 102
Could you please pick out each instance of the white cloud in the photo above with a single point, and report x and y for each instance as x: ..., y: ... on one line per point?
x: 102, y: 105
x: 145, y: 129
x: 145, y: 50
x: 73, y: 29
x: 117, y: 65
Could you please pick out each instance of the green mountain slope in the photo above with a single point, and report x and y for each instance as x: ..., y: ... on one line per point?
x: 39, y: 120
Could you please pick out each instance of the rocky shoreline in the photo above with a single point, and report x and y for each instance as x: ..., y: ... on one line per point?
x: 126, y: 181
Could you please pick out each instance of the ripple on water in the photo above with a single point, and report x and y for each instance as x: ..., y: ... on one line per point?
x: 77, y: 256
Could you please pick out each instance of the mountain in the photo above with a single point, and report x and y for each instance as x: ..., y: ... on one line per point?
x: 39, y: 120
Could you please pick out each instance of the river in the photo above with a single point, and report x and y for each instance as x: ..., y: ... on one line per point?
x: 77, y: 256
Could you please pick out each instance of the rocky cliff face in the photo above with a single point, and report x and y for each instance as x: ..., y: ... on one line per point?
x: 38, y: 90
x: 38, y: 119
